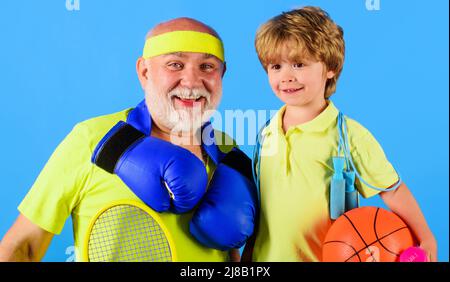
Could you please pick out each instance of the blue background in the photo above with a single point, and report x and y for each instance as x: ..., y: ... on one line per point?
x: 59, y: 67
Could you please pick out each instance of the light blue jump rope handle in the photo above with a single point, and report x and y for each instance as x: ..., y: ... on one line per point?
x: 337, y: 189
x: 351, y: 194
x: 345, y: 199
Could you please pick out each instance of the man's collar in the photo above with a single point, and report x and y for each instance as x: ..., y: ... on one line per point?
x: 139, y: 117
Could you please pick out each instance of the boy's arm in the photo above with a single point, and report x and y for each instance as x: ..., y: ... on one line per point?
x: 402, y: 203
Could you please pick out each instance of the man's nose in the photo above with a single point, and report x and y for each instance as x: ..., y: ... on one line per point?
x: 191, y: 78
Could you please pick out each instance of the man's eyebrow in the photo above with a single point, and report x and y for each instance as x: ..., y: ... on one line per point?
x: 182, y: 55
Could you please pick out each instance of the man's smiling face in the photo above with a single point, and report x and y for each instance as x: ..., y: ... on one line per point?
x: 181, y: 87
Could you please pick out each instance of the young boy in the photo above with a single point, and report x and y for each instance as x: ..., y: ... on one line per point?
x: 302, y: 52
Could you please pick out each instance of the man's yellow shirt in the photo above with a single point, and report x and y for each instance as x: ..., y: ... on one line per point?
x: 70, y: 185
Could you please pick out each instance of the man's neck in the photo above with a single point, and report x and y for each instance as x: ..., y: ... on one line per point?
x: 188, y: 141
x: 294, y: 115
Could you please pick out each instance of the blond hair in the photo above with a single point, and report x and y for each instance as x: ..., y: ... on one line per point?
x: 313, y: 34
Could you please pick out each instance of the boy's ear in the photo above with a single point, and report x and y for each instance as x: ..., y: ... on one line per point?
x: 330, y: 74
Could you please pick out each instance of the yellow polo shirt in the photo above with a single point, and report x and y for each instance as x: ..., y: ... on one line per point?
x: 70, y: 184
x: 295, y: 176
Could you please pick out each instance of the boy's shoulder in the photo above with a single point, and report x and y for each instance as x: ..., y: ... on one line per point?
x: 357, y: 131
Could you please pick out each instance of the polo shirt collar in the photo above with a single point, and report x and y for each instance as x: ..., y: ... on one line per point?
x: 318, y: 124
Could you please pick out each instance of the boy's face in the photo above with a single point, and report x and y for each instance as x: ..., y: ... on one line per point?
x: 298, y: 83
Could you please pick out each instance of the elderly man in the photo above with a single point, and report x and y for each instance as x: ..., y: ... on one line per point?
x: 157, y: 158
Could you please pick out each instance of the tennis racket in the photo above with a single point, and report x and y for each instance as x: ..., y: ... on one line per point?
x: 128, y: 231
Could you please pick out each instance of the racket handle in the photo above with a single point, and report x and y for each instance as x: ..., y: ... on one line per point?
x: 413, y: 254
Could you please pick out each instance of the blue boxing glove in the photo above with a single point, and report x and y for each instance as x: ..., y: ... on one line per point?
x: 164, y: 176
x: 226, y: 215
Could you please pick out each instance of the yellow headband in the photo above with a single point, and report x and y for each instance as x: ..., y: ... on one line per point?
x: 183, y: 41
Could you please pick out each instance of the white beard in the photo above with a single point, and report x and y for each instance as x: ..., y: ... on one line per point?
x: 179, y: 121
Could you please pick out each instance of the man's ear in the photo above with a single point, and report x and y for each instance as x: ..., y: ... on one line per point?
x: 224, y: 68
x: 142, y: 71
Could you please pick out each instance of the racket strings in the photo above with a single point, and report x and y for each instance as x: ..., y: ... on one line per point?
x: 127, y: 233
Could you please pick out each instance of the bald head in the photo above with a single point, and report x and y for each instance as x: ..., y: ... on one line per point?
x: 181, y: 24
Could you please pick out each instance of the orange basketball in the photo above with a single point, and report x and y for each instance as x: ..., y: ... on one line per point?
x: 367, y: 234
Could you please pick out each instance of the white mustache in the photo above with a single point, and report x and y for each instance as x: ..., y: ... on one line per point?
x: 186, y: 93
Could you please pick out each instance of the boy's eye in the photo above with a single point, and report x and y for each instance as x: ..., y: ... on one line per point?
x: 298, y: 65
x: 175, y: 66
x: 275, y: 66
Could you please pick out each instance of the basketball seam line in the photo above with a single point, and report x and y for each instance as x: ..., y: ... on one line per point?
x: 345, y: 243
x: 379, y: 239
x: 376, y: 235
x: 358, y: 234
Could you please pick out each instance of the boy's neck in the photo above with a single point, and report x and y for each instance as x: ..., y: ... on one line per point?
x: 294, y: 115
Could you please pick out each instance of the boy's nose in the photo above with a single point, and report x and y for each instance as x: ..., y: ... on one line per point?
x: 288, y: 78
